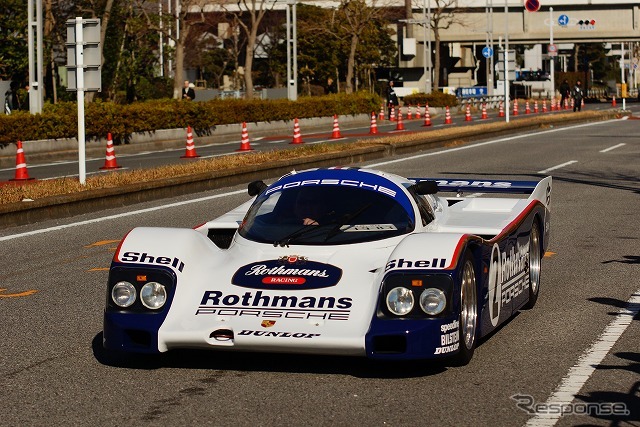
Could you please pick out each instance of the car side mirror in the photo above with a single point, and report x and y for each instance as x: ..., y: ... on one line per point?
x: 256, y: 187
x: 425, y: 187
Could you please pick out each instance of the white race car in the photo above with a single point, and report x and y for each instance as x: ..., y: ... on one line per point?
x: 340, y: 261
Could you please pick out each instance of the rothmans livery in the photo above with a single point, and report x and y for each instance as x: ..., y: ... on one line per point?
x: 338, y: 261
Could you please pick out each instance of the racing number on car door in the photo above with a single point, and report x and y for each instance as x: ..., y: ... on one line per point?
x: 495, y: 285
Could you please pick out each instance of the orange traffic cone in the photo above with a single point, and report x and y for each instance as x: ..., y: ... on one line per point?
x: 191, y: 148
x: 566, y: 104
x: 515, y: 107
x: 373, y: 130
x: 418, y: 112
x: 544, y: 105
x: 613, y: 102
x: 245, y: 144
x: 484, y: 112
x: 447, y: 116
x: 501, y: 110
x: 427, y: 116
x: 297, y: 138
x: 336, y: 129
x: 21, y: 165
x: 110, y: 160
x: 582, y: 103
x: 410, y: 113
x: 381, y: 115
x: 527, y: 110
x: 467, y: 114
x: 399, y: 124
x: 572, y: 104
x: 392, y: 115
x: 535, y: 106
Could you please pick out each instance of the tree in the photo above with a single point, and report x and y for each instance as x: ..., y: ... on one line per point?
x: 443, y: 16
x: 249, y: 18
x: 353, y: 22
x: 14, y: 61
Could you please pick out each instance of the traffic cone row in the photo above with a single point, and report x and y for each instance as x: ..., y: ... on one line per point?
x: 297, y: 138
x: 373, y: 129
x: 21, y: 165
x: 427, y: 116
x: 467, y: 114
x: 110, y: 159
x: 336, y: 129
x: 447, y: 116
x: 399, y: 124
x: 190, y: 152
x: 245, y: 144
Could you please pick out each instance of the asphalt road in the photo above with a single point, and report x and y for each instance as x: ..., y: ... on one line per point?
x: 148, y: 159
x: 574, y: 346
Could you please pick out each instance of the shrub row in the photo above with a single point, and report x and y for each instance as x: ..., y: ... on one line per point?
x: 434, y: 99
x: 61, y: 120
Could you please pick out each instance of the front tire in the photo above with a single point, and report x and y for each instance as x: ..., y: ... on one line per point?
x: 468, y: 312
x: 535, y: 258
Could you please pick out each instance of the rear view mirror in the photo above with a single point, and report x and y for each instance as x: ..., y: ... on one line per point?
x: 425, y: 187
x: 256, y: 187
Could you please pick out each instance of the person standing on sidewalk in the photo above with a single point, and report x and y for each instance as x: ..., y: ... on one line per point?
x: 392, y: 99
x: 577, y: 94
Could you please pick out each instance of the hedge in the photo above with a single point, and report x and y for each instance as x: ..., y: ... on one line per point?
x: 61, y: 120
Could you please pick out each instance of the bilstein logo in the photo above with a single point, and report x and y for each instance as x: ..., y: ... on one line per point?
x: 287, y: 273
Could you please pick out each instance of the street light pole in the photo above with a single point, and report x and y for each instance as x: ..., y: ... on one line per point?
x: 426, y: 17
x: 292, y: 52
x: 551, y: 58
x: 506, y: 61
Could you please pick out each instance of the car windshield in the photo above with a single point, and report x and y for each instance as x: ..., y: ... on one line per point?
x: 325, y: 215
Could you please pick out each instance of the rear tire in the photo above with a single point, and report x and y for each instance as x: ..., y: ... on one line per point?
x: 468, y: 312
x: 535, y: 258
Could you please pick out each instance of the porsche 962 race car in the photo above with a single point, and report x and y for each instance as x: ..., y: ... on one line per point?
x: 337, y: 261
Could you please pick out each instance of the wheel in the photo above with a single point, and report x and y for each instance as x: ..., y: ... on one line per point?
x: 535, y: 257
x: 468, y: 312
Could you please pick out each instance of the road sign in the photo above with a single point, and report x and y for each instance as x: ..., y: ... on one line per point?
x: 552, y: 50
x: 487, y: 52
x: 563, y: 20
x: 532, y: 5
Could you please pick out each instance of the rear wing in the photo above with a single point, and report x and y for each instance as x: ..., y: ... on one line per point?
x: 537, y: 190
x: 483, y: 186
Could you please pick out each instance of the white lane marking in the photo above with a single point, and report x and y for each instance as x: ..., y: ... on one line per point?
x: 612, y: 148
x: 578, y: 375
x: 45, y: 230
x: 570, y: 162
x: 481, y: 144
x: 121, y: 215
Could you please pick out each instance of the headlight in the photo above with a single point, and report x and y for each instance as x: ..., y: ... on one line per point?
x: 400, y: 301
x: 123, y: 294
x: 433, y: 301
x: 153, y: 295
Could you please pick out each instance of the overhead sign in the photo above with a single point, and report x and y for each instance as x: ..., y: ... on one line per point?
x: 563, y: 20
x: 532, y: 5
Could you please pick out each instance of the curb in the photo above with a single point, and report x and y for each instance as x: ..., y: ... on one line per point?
x: 55, y: 207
